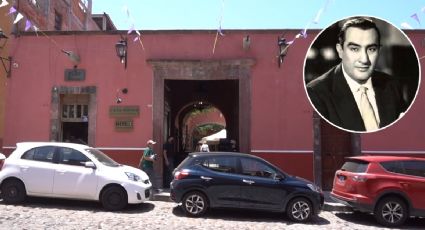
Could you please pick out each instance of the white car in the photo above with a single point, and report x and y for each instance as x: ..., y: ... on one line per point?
x: 65, y: 170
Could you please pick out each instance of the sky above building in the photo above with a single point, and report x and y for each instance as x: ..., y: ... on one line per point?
x: 254, y: 14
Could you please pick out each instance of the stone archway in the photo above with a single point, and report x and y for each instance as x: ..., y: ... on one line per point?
x: 235, y: 69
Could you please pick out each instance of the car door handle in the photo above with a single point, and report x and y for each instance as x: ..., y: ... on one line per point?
x: 61, y: 171
x: 248, y: 181
x: 206, y: 178
x: 24, y: 168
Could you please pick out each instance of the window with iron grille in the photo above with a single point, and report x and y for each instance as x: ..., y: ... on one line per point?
x: 75, y: 112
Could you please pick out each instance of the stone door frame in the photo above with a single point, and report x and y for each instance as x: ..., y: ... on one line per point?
x: 233, y: 69
x: 55, y: 120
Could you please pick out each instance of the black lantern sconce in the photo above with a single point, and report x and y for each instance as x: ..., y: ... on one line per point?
x: 283, y: 49
x: 121, y: 49
x: 6, y: 66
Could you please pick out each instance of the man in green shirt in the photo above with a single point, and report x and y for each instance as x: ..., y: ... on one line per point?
x: 147, y: 160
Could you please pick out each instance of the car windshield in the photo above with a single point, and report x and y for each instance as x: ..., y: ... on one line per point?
x: 102, y: 158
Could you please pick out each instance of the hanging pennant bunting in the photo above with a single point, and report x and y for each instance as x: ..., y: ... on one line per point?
x: 11, y: 10
x: 27, y: 25
x: 4, y: 3
x: 131, y: 29
x: 126, y: 10
x: 304, y: 33
x: 35, y: 30
x: 220, y: 31
x: 18, y: 18
x: 415, y: 16
x: 318, y: 15
x: 406, y: 25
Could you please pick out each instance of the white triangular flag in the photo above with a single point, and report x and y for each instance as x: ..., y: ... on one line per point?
x: 18, y: 18
x: 406, y: 25
x: 4, y: 3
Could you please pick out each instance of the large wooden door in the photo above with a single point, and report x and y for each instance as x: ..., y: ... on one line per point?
x: 336, y: 144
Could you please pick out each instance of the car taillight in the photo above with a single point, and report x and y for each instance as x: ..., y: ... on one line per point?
x: 180, y: 175
x: 359, y: 178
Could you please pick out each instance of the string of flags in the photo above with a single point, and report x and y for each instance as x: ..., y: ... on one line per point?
x: 414, y: 16
x: 132, y: 27
x: 28, y: 23
x: 302, y: 34
x: 219, y: 30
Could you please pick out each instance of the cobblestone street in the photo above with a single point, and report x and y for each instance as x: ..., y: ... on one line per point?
x: 38, y: 213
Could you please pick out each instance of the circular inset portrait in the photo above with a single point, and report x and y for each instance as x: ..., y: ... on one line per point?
x: 361, y: 74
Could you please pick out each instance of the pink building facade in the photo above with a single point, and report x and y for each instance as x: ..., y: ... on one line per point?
x: 265, y: 106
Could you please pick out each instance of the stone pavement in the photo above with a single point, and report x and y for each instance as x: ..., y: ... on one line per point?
x: 330, y: 205
x: 42, y: 213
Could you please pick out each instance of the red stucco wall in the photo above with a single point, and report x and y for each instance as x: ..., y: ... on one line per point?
x: 407, y: 135
x: 278, y: 94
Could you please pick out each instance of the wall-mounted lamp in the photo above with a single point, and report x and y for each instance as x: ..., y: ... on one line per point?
x: 74, y: 57
x: 6, y: 66
x: 121, y: 48
x: 118, y: 98
x: 246, y: 43
x: 283, y: 49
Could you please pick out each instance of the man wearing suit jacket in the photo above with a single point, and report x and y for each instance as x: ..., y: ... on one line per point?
x: 353, y: 95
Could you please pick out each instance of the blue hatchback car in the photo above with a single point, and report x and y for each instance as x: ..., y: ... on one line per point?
x: 237, y: 180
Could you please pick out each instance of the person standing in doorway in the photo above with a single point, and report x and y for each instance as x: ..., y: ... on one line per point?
x: 147, y: 160
x: 169, y: 158
x: 204, y: 147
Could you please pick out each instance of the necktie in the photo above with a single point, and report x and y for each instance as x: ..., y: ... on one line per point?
x: 368, y: 115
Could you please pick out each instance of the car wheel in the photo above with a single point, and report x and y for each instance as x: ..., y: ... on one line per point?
x: 195, y: 204
x: 114, y: 198
x: 391, y: 212
x: 299, y: 210
x: 13, y: 191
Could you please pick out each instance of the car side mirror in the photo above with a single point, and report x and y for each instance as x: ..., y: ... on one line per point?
x: 2, y: 156
x: 89, y: 164
x: 279, y: 177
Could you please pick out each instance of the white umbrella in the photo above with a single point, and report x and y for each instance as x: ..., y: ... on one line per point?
x: 215, y: 138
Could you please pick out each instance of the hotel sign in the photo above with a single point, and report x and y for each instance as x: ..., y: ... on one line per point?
x: 123, y: 111
x: 123, y: 124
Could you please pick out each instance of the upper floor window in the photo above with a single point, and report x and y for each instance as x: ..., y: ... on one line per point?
x: 58, y: 21
x: 83, y: 4
x: 34, y: 3
x: 75, y: 112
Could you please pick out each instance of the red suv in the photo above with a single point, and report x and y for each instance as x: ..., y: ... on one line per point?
x: 392, y: 188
